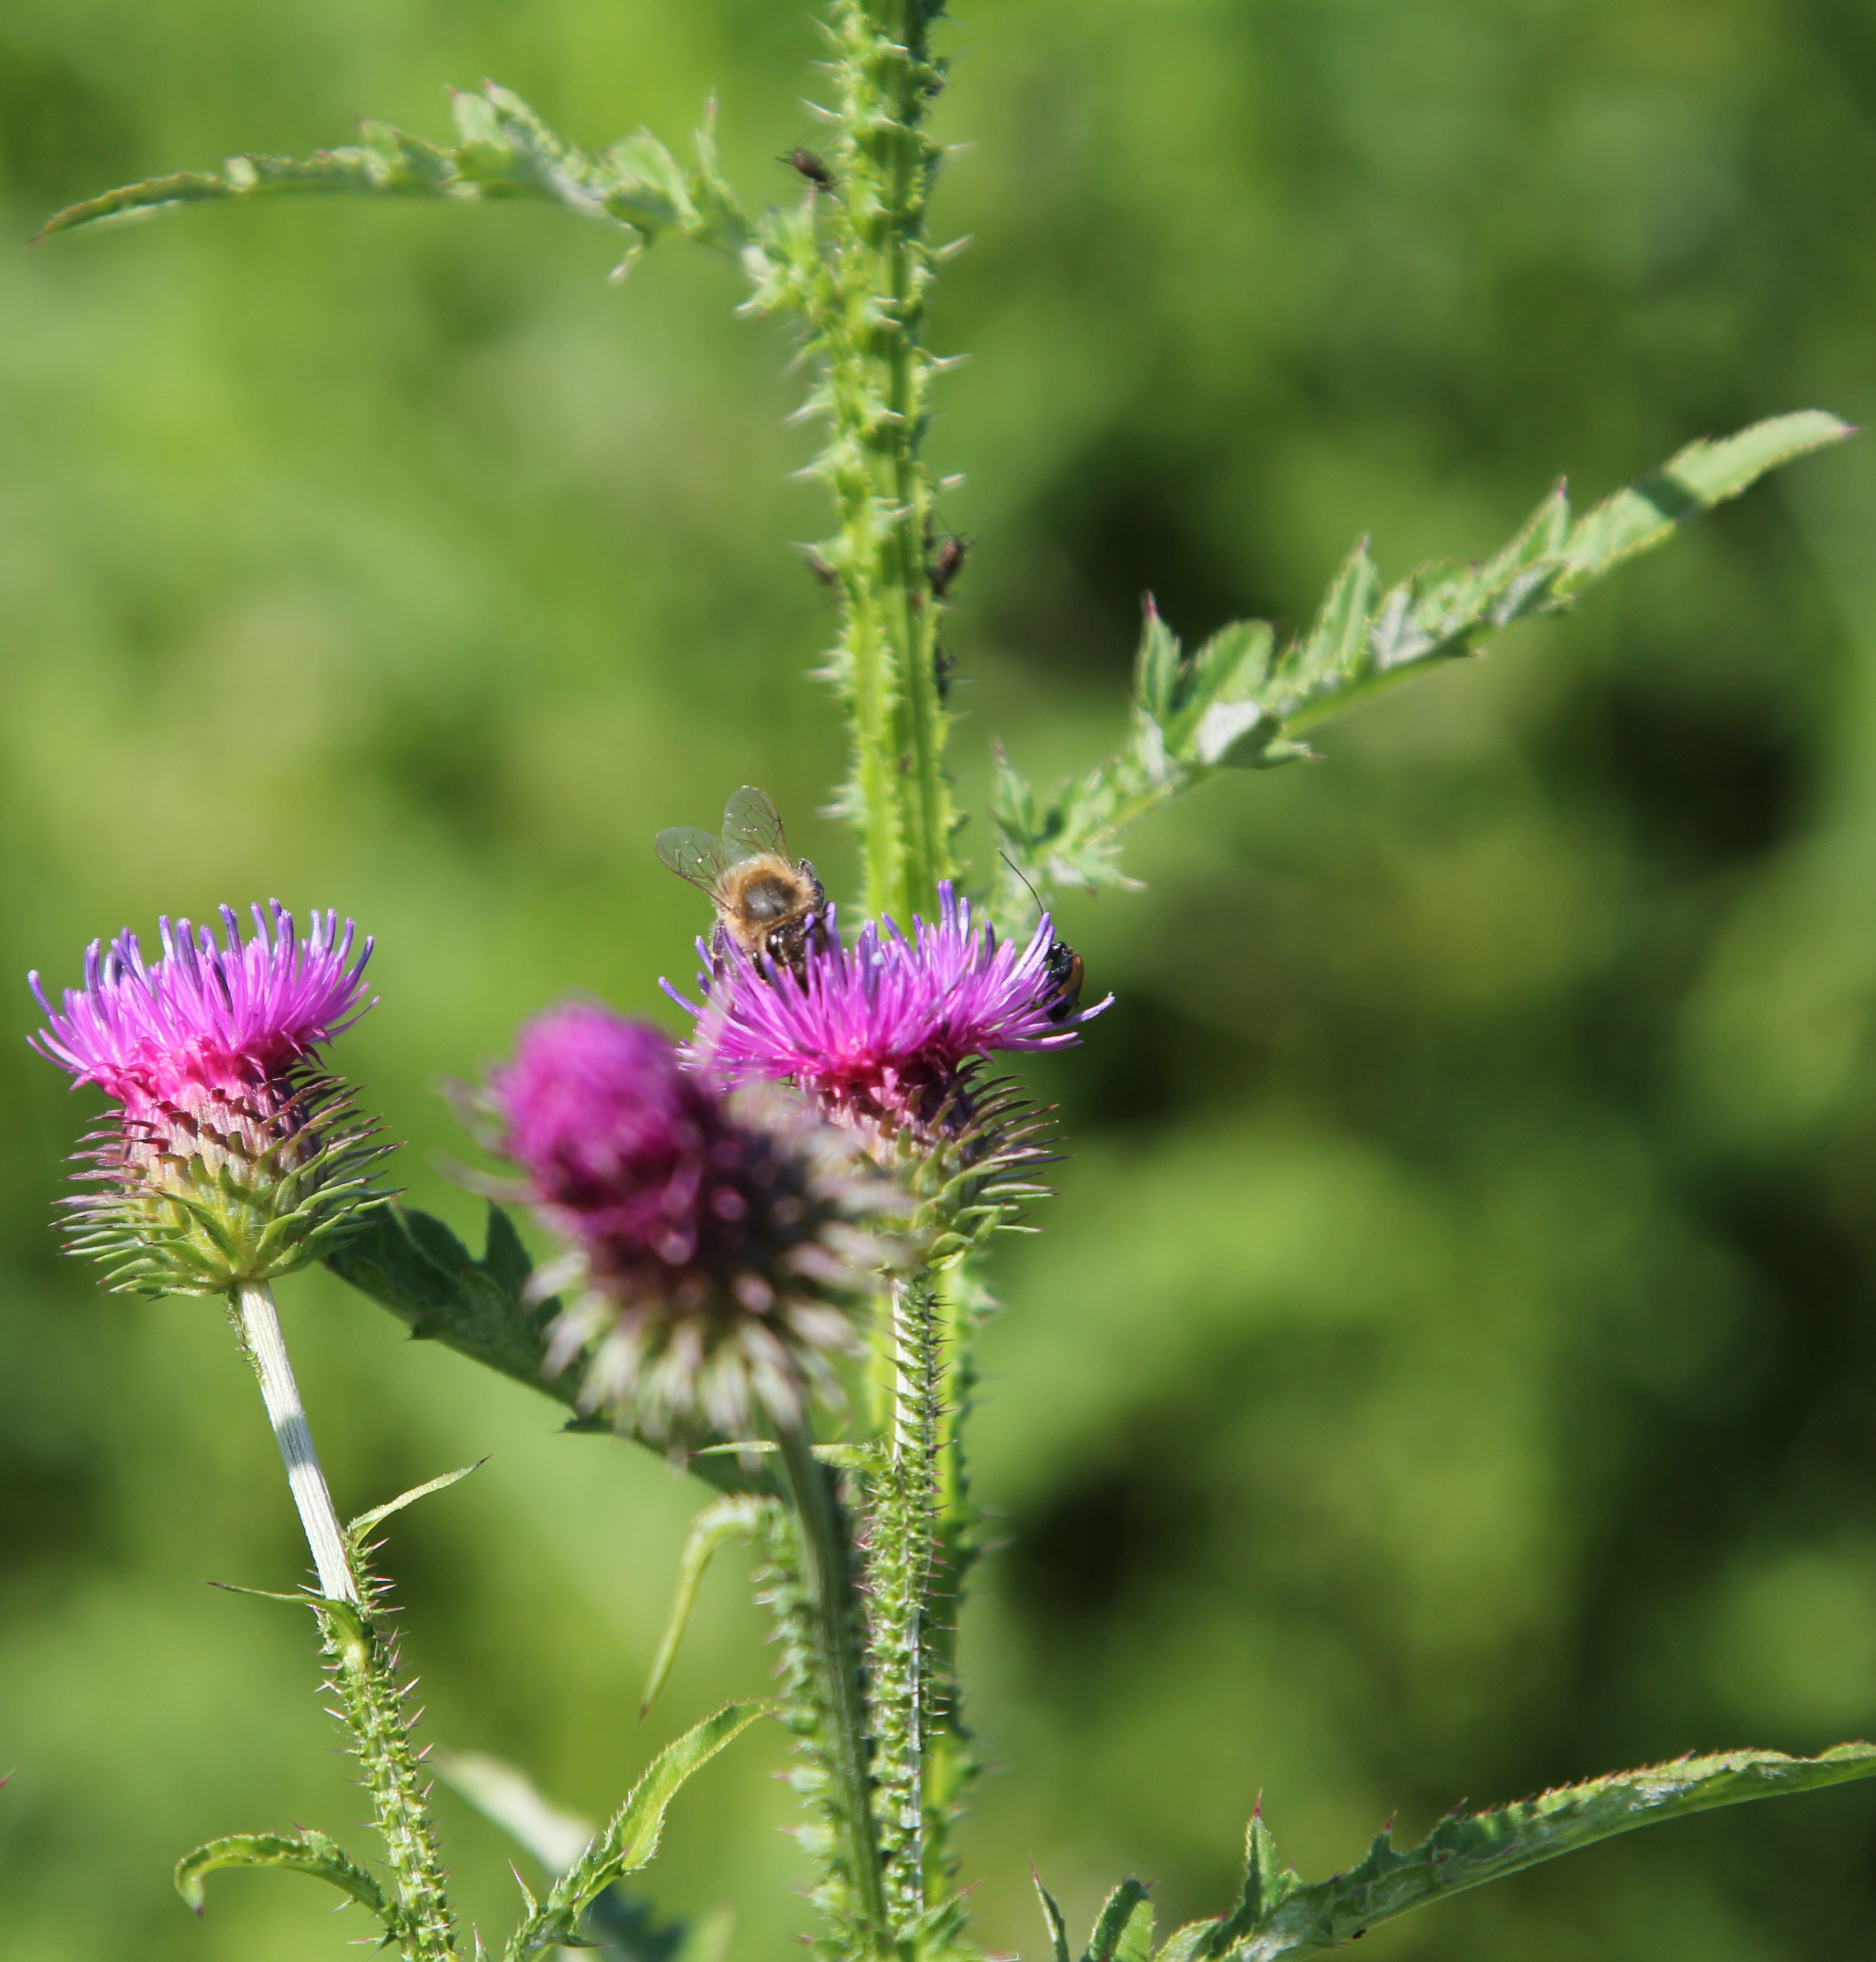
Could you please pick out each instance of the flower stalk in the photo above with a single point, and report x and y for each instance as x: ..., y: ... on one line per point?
x: 842, y: 1742
x: 259, y: 1322
x: 361, y: 1659
x: 901, y: 1561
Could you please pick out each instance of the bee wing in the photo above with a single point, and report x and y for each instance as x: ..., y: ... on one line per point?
x: 753, y: 825
x: 696, y: 856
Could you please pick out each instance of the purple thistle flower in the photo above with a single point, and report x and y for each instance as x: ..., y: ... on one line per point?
x: 204, y: 1017
x: 886, y: 1033
x: 232, y: 1157
x: 714, y: 1240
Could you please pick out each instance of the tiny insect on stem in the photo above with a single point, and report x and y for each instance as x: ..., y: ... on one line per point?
x: 812, y: 167
x: 947, y: 565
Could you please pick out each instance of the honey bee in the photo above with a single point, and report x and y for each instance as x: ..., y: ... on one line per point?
x: 768, y: 904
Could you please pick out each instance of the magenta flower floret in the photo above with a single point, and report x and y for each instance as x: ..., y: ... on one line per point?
x: 881, y: 1031
x: 714, y: 1240
x: 233, y: 1156
x: 613, y: 1137
x: 205, y: 1018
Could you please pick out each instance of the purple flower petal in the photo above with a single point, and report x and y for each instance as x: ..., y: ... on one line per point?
x: 880, y: 1031
x: 204, y: 1017
x: 717, y: 1238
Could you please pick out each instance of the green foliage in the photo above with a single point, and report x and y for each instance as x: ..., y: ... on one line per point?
x: 979, y: 1182
x: 631, y: 1839
x: 1666, y: 334
x: 736, y: 1513
x: 362, y: 1663
x: 1237, y: 704
x: 304, y: 1851
x: 505, y: 151
x: 359, y: 1530
x: 1279, y: 1914
x: 1122, y: 1930
x: 414, y: 1265
x: 622, y: 1927
x: 853, y: 268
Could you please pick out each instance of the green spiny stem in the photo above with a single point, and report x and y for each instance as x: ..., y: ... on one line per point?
x: 833, y: 1620
x: 363, y: 1662
x: 901, y: 1555
x: 865, y: 319
x: 952, y: 1760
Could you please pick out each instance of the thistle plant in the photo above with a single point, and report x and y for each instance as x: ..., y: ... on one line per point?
x: 770, y: 1238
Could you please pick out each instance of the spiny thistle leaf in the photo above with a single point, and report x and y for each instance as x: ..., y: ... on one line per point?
x: 722, y: 1520
x: 618, y: 1926
x: 1051, y: 1917
x: 1124, y: 1929
x: 1238, y: 704
x: 506, y: 151
x: 630, y: 1840
x: 414, y: 1265
x: 304, y: 1852
x: 362, y: 1526
x: 1279, y: 1915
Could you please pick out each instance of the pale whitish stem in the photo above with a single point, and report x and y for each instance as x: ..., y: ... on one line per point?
x: 363, y: 1665
x: 266, y: 1349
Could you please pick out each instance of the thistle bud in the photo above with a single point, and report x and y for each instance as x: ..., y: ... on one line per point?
x: 232, y: 1157
x: 715, y: 1242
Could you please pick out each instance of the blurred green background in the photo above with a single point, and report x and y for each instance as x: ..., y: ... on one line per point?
x: 1450, y: 1367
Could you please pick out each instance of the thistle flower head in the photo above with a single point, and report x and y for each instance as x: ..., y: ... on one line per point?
x: 886, y: 1033
x: 714, y: 1240
x: 231, y: 1158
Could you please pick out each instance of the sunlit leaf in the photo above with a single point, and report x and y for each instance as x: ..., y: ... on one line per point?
x: 1233, y: 706
x: 357, y: 1531
x: 723, y: 1519
x: 303, y: 1853
x: 631, y: 1839
x: 1280, y: 1915
x: 505, y: 150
